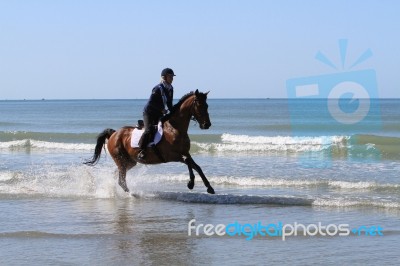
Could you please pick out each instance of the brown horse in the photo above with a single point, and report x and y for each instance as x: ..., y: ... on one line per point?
x: 174, y: 145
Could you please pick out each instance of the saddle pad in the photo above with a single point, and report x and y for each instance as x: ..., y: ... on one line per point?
x: 137, y: 134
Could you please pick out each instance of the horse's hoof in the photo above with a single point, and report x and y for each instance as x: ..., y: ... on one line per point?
x: 210, y: 190
x: 190, y: 184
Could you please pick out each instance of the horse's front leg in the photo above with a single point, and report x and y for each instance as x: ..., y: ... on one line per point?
x: 190, y: 184
x: 192, y: 165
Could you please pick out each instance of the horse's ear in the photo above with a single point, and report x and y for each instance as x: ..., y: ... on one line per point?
x: 196, y: 92
x: 207, y: 93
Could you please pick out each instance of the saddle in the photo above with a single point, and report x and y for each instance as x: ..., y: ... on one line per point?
x: 155, y: 134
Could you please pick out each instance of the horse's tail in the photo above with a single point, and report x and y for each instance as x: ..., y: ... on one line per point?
x: 101, y: 139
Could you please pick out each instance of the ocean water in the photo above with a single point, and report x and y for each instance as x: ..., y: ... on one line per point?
x: 270, y: 161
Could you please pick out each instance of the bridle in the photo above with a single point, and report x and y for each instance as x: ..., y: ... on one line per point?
x: 193, y: 110
x: 202, y: 114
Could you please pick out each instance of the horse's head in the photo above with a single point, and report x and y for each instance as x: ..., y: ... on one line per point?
x: 200, y: 110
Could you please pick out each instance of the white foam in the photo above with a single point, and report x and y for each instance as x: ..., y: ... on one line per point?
x: 244, y: 147
x: 265, y: 182
x: 50, y: 181
x: 60, y: 145
x: 163, y: 179
x: 362, y: 185
x: 352, y: 185
x: 248, y: 181
x: 344, y: 202
x: 44, y: 145
x: 6, y: 176
x: 15, y: 144
x: 319, y: 140
x: 277, y: 143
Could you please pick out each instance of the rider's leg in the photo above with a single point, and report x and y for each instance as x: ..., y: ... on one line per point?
x: 149, y: 121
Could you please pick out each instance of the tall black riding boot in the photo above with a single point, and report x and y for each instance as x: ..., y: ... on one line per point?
x: 144, y: 141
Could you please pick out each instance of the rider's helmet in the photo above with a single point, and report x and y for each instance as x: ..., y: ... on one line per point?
x: 167, y: 71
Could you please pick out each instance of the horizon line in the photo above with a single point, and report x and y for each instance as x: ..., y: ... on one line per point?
x: 233, y: 98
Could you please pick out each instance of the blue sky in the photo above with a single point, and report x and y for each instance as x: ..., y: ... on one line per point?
x: 81, y: 49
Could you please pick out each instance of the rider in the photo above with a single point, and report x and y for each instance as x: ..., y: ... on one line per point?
x: 159, y: 104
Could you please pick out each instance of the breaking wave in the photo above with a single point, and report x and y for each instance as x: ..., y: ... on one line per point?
x: 227, y: 198
x: 356, y: 145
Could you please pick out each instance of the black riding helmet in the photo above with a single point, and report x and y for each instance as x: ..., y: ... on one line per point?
x: 167, y: 71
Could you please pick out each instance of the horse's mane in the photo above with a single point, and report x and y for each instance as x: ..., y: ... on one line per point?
x: 181, y: 101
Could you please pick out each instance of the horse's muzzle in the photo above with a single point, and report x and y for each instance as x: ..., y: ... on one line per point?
x: 205, y: 125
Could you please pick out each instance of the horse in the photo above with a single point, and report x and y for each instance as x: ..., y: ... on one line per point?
x: 174, y: 145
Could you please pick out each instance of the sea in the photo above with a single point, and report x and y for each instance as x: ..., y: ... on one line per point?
x: 294, y: 183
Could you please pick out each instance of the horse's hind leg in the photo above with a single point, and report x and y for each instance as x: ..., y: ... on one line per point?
x: 120, y: 156
x: 122, y: 179
x: 122, y: 175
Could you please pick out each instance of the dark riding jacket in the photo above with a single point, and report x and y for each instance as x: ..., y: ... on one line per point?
x: 160, y: 100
